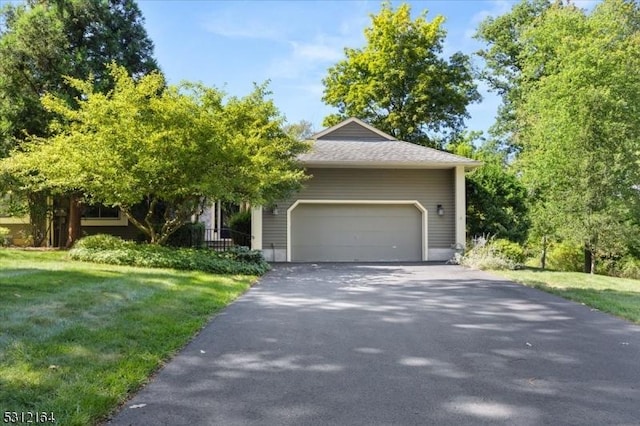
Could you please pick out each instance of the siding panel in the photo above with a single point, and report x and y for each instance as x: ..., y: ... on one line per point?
x: 429, y: 187
x: 353, y: 131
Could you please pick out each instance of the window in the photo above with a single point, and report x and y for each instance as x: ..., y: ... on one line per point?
x: 99, y: 211
x: 99, y: 215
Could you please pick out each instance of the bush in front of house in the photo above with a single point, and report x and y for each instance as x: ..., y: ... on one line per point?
x: 103, y: 242
x: 486, y: 253
x: 240, y: 226
x: 188, y: 235
x: 115, y: 251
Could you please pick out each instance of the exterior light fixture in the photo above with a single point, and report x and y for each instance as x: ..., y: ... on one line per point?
x: 440, y: 210
x: 274, y: 210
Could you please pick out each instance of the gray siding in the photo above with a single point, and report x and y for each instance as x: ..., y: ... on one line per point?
x: 353, y: 131
x: 429, y: 187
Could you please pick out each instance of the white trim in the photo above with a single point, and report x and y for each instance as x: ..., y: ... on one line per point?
x: 11, y: 220
x: 218, y: 221
x: 461, y: 213
x: 416, y: 203
x: 349, y: 121
x: 256, y: 228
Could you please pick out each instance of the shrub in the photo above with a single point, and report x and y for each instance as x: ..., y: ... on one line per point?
x: 240, y: 225
x: 188, y: 235
x: 566, y: 257
x: 102, y: 242
x: 508, y: 250
x: 4, y: 236
x: 629, y: 267
x: 492, y: 254
x: 244, y: 254
x: 625, y: 267
x: 245, y: 262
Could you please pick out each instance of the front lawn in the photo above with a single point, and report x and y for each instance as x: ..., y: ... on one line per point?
x: 617, y: 296
x: 77, y: 338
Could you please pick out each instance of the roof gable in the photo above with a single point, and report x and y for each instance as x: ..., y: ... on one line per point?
x: 354, y: 143
x: 353, y: 129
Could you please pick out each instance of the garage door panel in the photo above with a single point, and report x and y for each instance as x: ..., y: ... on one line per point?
x: 336, y: 232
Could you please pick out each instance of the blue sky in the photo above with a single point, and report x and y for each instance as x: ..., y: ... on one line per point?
x: 231, y: 44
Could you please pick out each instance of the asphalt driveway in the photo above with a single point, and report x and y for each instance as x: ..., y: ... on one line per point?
x: 344, y: 344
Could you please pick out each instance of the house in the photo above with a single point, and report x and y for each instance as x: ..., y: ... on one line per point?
x: 96, y: 219
x: 371, y: 197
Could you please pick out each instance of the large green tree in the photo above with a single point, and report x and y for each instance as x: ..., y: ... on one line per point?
x: 578, y: 115
x: 504, y: 56
x: 43, y: 41
x: 399, y: 81
x: 172, y: 148
x: 497, y: 203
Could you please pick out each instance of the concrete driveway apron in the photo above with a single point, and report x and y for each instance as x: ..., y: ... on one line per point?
x: 367, y: 344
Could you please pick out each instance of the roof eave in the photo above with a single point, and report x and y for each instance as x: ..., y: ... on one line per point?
x: 392, y: 164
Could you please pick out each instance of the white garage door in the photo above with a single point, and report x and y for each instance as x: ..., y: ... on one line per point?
x: 356, y: 232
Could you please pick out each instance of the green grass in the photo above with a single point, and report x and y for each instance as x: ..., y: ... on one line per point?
x: 617, y: 296
x: 77, y: 338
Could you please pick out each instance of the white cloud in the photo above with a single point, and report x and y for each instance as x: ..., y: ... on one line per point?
x: 308, y: 57
x: 316, y: 54
x: 321, y: 49
x: 230, y: 26
x: 498, y: 7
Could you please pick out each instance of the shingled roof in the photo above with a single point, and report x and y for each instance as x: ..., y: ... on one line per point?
x: 353, y: 143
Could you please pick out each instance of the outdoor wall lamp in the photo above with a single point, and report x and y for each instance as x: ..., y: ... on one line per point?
x: 440, y: 210
x: 274, y: 210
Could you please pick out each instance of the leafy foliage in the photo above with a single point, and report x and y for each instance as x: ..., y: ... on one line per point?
x: 580, y: 136
x: 302, y: 130
x: 107, y: 249
x: 42, y: 42
x: 496, y: 198
x: 169, y: 146
x: 400, y: 83
x: 240, y: 225
x: 496, y: 204
x: 188, y: 235
x: 508, y: 249
x: 103, y: 242
x: 506, y: 51
x: 487, y: 253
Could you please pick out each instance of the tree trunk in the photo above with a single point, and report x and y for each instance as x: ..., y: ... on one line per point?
x: 588, y: 260
x: 75, y: 215
x: 38, y: 217
x: 543, y: 258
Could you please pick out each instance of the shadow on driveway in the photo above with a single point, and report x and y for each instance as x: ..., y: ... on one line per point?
x: 398, y: 344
